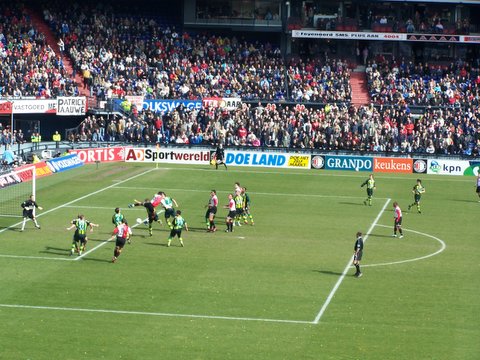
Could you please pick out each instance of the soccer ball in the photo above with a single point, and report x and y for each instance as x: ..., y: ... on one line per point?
x: 139, y: 221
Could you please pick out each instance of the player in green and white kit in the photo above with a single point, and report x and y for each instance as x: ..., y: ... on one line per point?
x: 167, y: 203
x: 80, y: 239
x: 246, y: 206
x: 117, y: 217
x: 176, y: 230
x: 417, y: 191
x: 370, y: 182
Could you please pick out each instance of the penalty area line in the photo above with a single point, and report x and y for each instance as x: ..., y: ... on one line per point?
x: 347, y: 268
x: 145, y: 313
x: 109, y: 240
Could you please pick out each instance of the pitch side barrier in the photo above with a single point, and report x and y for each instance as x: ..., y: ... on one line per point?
x: 281, y: 159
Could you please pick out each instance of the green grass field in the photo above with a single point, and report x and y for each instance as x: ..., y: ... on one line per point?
x: 276, y: 290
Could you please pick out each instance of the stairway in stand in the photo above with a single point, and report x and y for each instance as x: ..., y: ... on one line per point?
x: 41, y: 26
x: 358, y: 82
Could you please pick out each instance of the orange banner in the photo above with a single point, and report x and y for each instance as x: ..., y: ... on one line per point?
x: 393, y: 165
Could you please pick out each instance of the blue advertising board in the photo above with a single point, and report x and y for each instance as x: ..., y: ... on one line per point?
x: 351, y: 163
x: 170, y: 105
x: 64, y: 163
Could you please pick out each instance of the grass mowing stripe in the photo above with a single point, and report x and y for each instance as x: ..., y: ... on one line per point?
x: 33, y: 257
x: 347, y: 267
x: 153, y: 314
x: 250, y: 192
x: 320, y: 173
x: 80, y: 198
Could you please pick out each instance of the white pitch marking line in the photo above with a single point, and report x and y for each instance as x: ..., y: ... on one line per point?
x: 80, y: 198
x: 442, y: 248
x: 108, y: 240
x: 153, y: 314
x: 34, y: 257
x: 99, y: 207
x: 62, y: 206
x: 347, y: 267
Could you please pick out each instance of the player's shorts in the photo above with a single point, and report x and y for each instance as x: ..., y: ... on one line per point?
x: 478, y: 189
x: 80, y: 237
x: 417, y: 198
x: 120, y: 241
x: 152, y: 217
x: 174, y: 232
x: 369, y: 192
x: 231, y: 214
x: 239, y: 212
x: 358, y: 256
x: 212, y: 210
x: 28, y: 214
x: 169, y: 213
x: 398, y: 222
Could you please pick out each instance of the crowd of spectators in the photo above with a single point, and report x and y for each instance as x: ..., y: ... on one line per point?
x: 402, y: 82
x: 124, y: 55
x: 28, y: 66
x: 334, y: 127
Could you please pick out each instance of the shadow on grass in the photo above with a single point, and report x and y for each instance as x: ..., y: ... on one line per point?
x: 96, y: 259
x: 351, y: 203
x: 10, y: 228
x: 465, y: 200
x: 328, y: 272
x: 55, y: 251
x: 379, y: 236
x: 156, y: 244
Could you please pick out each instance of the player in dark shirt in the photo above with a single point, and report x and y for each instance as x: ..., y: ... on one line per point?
x: 151, y: 213
x: 28, y: 213
x: 220, y: 157
x: 358, y: 253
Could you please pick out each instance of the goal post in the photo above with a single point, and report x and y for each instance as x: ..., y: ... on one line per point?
x: 16, y: 186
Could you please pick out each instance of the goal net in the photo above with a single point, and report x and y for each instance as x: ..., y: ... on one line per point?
x: 15, y: 187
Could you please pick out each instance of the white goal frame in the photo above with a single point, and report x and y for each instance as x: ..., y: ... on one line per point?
x: 7, y: 183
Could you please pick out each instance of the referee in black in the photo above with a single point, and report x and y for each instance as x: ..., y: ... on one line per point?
x: 357, y: 254
x: 220, y: 156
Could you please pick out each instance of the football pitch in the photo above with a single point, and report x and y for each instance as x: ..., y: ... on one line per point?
x: 281, y: 289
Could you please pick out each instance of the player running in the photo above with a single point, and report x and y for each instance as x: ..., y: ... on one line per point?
x: 219, y: 157
x: 121, y: 234
x: 28, y: 211
x: 417, y: 191
x: 176, y: 230
x: 211, y: 211
x: 80, y: 239
x: 370, y: 182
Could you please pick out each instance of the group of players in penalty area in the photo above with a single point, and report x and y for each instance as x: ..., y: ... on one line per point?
x: 238, y: 212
